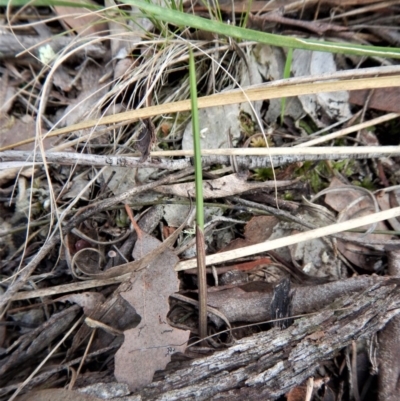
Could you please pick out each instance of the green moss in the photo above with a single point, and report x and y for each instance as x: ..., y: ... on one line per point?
x: 263, y: 174
x: 365, y: 183
x: 312, y: 173
x: 345, y: 167
x: 288, y: 195
x: 122, y: 219
x: 163, y: 145
x: 247, y: 125
x: 308, y: 125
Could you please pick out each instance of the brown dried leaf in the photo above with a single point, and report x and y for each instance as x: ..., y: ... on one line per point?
x: 82, y: 20
x: 7, y: 93
x: 257, y: 230
x: 148, y: 347
x: 88, y: 301
x: 386, y: 99
x: 92, y: 90
x: 297, y: 394
x: 359, y: 255
x: 145, y: 139
x: 13, y: 131
x: 339, y: 200
x: 385, y: 203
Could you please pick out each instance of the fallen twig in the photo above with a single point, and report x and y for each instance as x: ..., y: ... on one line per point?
x: 249, y: 158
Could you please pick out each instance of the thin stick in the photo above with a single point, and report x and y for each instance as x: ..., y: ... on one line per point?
x: 133, y: 221
x: 244, y: 161
x: 349, y: 130
x: 339, y: 150
x: 85, y: 354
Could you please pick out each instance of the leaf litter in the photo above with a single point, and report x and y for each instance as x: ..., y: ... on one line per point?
x: 148, y: 347
x: 144, y: 330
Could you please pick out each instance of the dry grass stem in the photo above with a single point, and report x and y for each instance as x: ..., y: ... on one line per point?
x: 277, y: 89
x: 293, y: 239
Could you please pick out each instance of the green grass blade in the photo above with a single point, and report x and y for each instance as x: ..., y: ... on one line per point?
x: 200, y: 241
x: 183, y: 19
x: 37, y: 3
x: 196, y: 143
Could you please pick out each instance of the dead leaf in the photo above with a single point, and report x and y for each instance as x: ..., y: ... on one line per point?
x: 145, y: 139
x: 149, y: 346
x: 76, y: 187
x: 228, y: 185
x: 257, y: 230
x: 385, y: 203
x: 13, y: 131
x: 135, y: 27
x: 123, y: 68
x: 217, y: 123
x: 83, y: 107
x: 167, y: 231
x: 84, y: 21
x: 345, y: 202
x: 297, y: 394
x: 333, y: 105
x: 339, y: 200
x: 268, y: 61
x: 386, y: 99
x: 88, y: 301
x: 7, y: 93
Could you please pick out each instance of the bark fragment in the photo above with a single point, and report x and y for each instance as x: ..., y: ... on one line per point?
x: 270, y: 363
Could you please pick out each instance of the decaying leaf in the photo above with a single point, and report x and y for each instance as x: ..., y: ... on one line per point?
x: 257, y: 230
x: 229, y: 185
x: 385, y: 203
x: 217, y: 123
x: 88, y: 301
x: 82, y: 20
x: 83, y: 107
x: 145, y: 139
x: 13, y: 131
x: 386, y: 99
x: 76, y: 187
x: 268, y: 61
x: 323, y: 107
x: 148, y: 347
x: 352, y: 203
x: 135, y: 26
